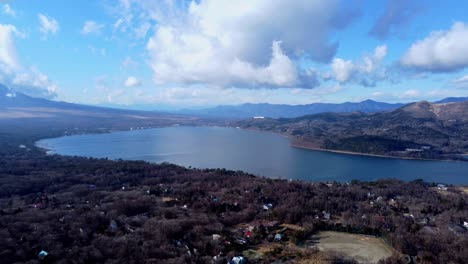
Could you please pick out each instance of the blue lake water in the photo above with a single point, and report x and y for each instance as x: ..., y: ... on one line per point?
x: 255, y: 152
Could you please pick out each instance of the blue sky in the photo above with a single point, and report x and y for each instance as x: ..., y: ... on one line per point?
x: 175, y: 54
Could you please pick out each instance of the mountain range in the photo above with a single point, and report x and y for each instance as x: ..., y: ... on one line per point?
x: 19, y: 101
x: 290, y: 111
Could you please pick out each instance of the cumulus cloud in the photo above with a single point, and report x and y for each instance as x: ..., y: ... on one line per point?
x: 91, y: 27
x: 8, y: 57
x: 397, y: 14
x: 441, y: 51
x: 47, y: 24
x: 342, y: 69
x: 28, y: 80
x: 7, y: 10
x: 132, y: 82
x: 249, y: 44
x: 366, y: 72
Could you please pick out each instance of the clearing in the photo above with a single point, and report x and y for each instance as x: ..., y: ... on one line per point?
x: 362, y: 248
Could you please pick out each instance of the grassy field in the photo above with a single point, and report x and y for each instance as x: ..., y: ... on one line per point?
x: 364, y: 249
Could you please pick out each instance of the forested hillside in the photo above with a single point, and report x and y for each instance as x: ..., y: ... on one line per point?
x: 419, y: 130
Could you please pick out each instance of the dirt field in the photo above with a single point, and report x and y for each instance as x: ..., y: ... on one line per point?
x: 364, y: 249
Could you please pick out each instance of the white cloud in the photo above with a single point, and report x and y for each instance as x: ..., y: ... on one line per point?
x: 47, y: 24
x: 128, y: 62
x: 463, y: 79
x: 91, y: 27
x: 342, y: 69
x: 412, y: 93
x: 132, y: 82
x: 28, y: 80
x: 8, y: 57
x: 378, y: 94
x: 280, y: 71
x: 142, y: 30
x: 232, y: 44
x: 6, y: 9
x: 441, y: 51
x: 367, y: 71
x: 94, y: 50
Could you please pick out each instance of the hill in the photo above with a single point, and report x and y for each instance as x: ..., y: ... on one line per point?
x: 420, y: 130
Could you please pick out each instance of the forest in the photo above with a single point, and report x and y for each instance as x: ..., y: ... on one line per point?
x: 57, y: 209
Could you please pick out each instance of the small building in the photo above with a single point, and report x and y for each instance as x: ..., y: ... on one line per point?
x: 258, y: 117
x: 326, y: 215
x: 42, y: 254
x: 441, y: 187
x: 278, y: 237
x: 238, y: 260
x: 113, y: 227
x: 456, y: 228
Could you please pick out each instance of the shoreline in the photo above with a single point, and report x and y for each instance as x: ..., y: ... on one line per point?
x: 292, y: 143
x: 345, y: 152
x: 306, y: 147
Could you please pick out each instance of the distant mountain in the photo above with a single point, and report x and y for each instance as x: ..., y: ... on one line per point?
x: 11, y: 99
x: 453, y: 100
x: 290, y: 111
x: 282, y: 110
x: 18, y: 107
x: 422, y: 129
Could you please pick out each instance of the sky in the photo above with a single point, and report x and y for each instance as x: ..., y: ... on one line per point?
x: 170, y: 54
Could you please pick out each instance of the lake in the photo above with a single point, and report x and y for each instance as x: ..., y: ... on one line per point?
x: 259, y: 153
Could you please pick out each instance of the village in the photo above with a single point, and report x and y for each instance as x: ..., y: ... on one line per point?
x: 224, y: 216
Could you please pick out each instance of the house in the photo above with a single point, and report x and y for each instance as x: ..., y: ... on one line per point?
x: 267, y: 206
x: 113, y: 226
x: 456, y: 228
x: 258, y: 117
x: 278, y: 237
x: 238, y: 260
x: 441, y: 187
x: 326, y: 215
x: 465, y: 224
x: 42, y: 254
x: 425, y: 221
x: 408, y: 215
